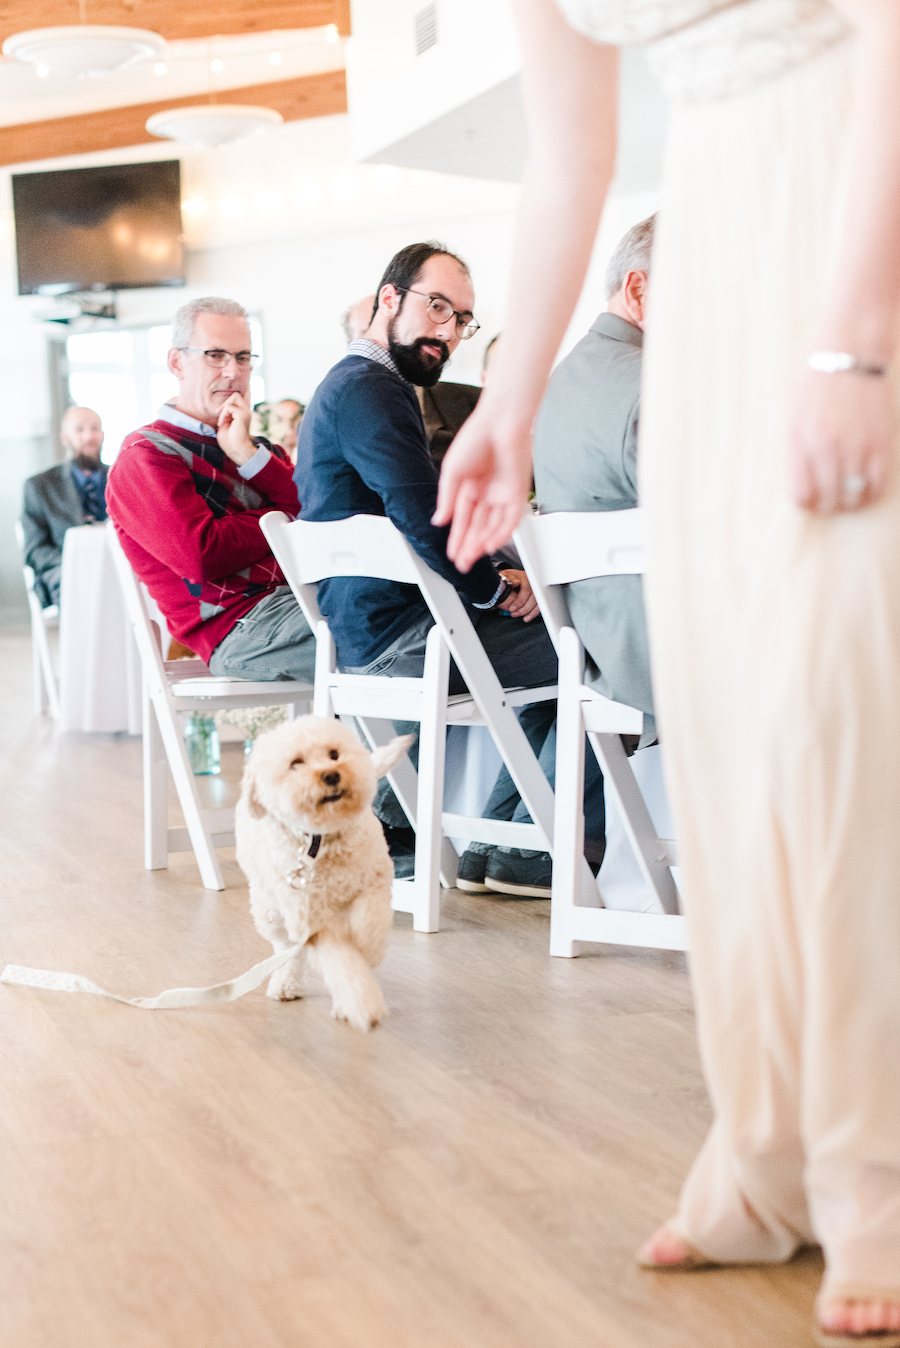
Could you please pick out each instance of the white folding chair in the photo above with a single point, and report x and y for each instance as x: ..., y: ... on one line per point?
x: 174, y: 686
x: 370, y: 545
x: 46, y: 688
x: 557, y: 549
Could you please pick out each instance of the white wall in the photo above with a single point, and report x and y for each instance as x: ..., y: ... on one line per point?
x: 392, y: 91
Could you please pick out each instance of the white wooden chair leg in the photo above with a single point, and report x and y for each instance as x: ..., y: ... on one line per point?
x: 568, y: 827
x: 490, y: 699
x: 156, y: 825
x: 430, y: 802
x: 52, y: 689
x: 325, y: 666
x: 404, y: 781
x: 50, y: 682
x: 183, y: 777
x: 37, y: 673
x: 652, y: 855
x: 46, y: 692
x: 449, y: 863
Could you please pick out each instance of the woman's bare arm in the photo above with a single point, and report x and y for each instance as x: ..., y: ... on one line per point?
x: 569, y: 86
x: 844, y: 426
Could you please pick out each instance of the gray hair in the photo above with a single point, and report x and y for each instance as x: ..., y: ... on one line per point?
x: 186, y: 316
x: 632, y: 254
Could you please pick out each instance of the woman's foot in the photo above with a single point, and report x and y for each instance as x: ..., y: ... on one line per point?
x: 844, y: 1321
x: 665, y: 1250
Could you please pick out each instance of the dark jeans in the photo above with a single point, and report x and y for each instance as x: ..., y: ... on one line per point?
x: 272, y: 641
x: 522, y: 656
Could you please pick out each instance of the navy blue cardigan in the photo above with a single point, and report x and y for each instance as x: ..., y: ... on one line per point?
x: 362, y: 451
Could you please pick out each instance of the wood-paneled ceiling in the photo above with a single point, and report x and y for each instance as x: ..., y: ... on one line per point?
x: 177, y: 20
x: 316, y: 95
x: 310, y: 96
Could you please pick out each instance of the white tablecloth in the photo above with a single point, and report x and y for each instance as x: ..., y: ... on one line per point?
x: 472, y: 766
x: 99, y: 665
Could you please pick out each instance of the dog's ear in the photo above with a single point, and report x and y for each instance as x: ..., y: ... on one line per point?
x: 383, y: 759
x: 248, y: 791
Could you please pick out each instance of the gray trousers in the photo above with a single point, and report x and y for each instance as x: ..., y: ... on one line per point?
x: 272, y: 641
x: 522, y: 656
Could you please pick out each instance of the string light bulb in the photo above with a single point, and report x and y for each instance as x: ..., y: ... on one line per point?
x: 331, y: 33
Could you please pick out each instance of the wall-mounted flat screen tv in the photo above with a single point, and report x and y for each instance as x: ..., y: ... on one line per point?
x: 117, y: 227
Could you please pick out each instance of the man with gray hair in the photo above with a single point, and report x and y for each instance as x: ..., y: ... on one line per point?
x: 585, y: 458
x: 186, y: 494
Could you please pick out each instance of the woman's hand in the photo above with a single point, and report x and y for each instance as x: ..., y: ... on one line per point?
x: 842, y: 441
x: 485, y: 480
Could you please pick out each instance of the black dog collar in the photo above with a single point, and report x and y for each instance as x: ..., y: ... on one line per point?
x: 306, y: 858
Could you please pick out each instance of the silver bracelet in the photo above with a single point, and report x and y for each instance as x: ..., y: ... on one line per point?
x: 836, y: 362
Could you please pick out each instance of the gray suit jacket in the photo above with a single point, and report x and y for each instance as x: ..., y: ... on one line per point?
x: 51, y: 505
x: 585, y: 458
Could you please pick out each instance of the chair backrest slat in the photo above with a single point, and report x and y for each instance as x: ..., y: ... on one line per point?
x: 310, y: 550
x: 362, y: 545
x: 577, y: 545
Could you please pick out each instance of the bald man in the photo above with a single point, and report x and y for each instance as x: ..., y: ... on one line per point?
x: 356, y: 319
x: 63, y: 497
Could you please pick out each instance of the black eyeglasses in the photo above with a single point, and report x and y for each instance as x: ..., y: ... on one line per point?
x: 440, y: 310
x: 219, y: 359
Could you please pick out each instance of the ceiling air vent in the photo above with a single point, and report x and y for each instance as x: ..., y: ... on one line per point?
x: 426, y: 28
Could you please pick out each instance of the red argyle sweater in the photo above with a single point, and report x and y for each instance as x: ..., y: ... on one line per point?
x: 189, y: 525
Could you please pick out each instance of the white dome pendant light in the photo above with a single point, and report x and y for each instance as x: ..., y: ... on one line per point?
x: 84, y: 50
x: 211, y: 124
x: 207, y: 125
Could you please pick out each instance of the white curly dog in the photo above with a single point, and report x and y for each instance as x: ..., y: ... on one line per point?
x: 316, y: 859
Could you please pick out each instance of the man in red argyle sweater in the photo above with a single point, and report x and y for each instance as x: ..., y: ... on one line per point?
x: 186, y: 494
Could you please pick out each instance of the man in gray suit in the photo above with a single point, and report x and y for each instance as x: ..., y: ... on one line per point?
x: 63, y: 497
x: 585, y: 458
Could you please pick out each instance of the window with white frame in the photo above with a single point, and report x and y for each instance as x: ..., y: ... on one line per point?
x: 122, y: 375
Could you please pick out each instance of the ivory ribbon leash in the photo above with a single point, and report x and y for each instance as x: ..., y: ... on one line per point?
x: 173, y: 998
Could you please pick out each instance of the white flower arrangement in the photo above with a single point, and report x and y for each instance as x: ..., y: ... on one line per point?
x: 252, y: 720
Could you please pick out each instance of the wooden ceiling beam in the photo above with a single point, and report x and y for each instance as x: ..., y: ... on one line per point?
x: 309, y: 96
x: 176, y: 20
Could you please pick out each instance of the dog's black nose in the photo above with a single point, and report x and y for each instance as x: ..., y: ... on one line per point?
x: 331, y: 778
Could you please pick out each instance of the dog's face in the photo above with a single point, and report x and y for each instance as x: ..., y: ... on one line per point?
x: 313, y: 774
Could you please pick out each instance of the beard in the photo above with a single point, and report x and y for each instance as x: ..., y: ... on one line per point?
x: 411, y: 361
x: 88, y: 463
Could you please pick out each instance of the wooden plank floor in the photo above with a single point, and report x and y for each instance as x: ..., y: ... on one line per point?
x: 475, y: 1174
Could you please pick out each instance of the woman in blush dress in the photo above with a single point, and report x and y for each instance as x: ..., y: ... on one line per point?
x: 773, y: 584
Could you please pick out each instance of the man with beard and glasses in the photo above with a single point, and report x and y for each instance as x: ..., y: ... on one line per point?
x: 363, y: 450
x: 63, y: 497
x: 445, y: 405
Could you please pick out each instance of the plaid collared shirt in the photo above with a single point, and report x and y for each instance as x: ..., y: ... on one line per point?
x: 372, y: 351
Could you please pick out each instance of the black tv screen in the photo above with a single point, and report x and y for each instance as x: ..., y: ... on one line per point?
x: 112, y: 228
